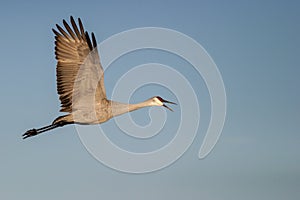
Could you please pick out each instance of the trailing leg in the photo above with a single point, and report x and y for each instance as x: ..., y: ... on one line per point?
x: 58, y: 122
x: 33, y: 132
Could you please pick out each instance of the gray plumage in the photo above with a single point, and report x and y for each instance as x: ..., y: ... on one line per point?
x: 80, y: 82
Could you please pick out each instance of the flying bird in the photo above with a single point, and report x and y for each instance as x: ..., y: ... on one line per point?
x: 80, y: 82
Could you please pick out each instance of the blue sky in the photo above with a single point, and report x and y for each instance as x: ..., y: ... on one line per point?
x: 255, y: 45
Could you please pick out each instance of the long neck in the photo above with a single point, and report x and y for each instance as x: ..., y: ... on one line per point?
x: 121, y: 108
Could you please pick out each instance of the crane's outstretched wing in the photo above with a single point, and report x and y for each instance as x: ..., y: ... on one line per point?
x: 79, y: 73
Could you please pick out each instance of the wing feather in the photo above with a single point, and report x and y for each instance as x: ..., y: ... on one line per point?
x: 94, y: 41
x: 61, y: 30
x: 81, y: 29
x: 75, y: 27
x: 70, y: 31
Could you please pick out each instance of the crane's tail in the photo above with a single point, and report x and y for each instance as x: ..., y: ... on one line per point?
x: 33, y: 132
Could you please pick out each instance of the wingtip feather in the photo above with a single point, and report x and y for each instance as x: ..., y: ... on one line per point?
x: 94, y: 40
x: 88, y: 40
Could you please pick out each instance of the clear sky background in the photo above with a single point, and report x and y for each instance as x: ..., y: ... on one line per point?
x: 255, y: 44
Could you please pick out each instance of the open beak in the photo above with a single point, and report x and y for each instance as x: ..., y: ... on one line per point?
x: 164, y: 105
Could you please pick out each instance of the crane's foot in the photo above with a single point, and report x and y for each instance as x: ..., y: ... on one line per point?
x: 29, y: 133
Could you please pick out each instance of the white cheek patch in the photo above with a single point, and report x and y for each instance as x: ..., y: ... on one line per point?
x: 158, y: 102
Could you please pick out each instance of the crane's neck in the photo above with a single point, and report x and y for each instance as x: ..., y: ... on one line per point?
x: 121, y: 108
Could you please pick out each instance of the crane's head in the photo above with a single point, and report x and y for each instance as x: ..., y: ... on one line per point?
x: 158, y: 101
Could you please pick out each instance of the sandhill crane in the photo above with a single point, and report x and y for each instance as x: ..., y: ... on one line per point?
x: 80, y: 81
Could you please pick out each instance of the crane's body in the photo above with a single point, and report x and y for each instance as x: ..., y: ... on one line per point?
x: 80, y: 82
x: 104, y: 111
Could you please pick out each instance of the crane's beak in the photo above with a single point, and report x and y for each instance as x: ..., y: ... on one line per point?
x: 164, y: 105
